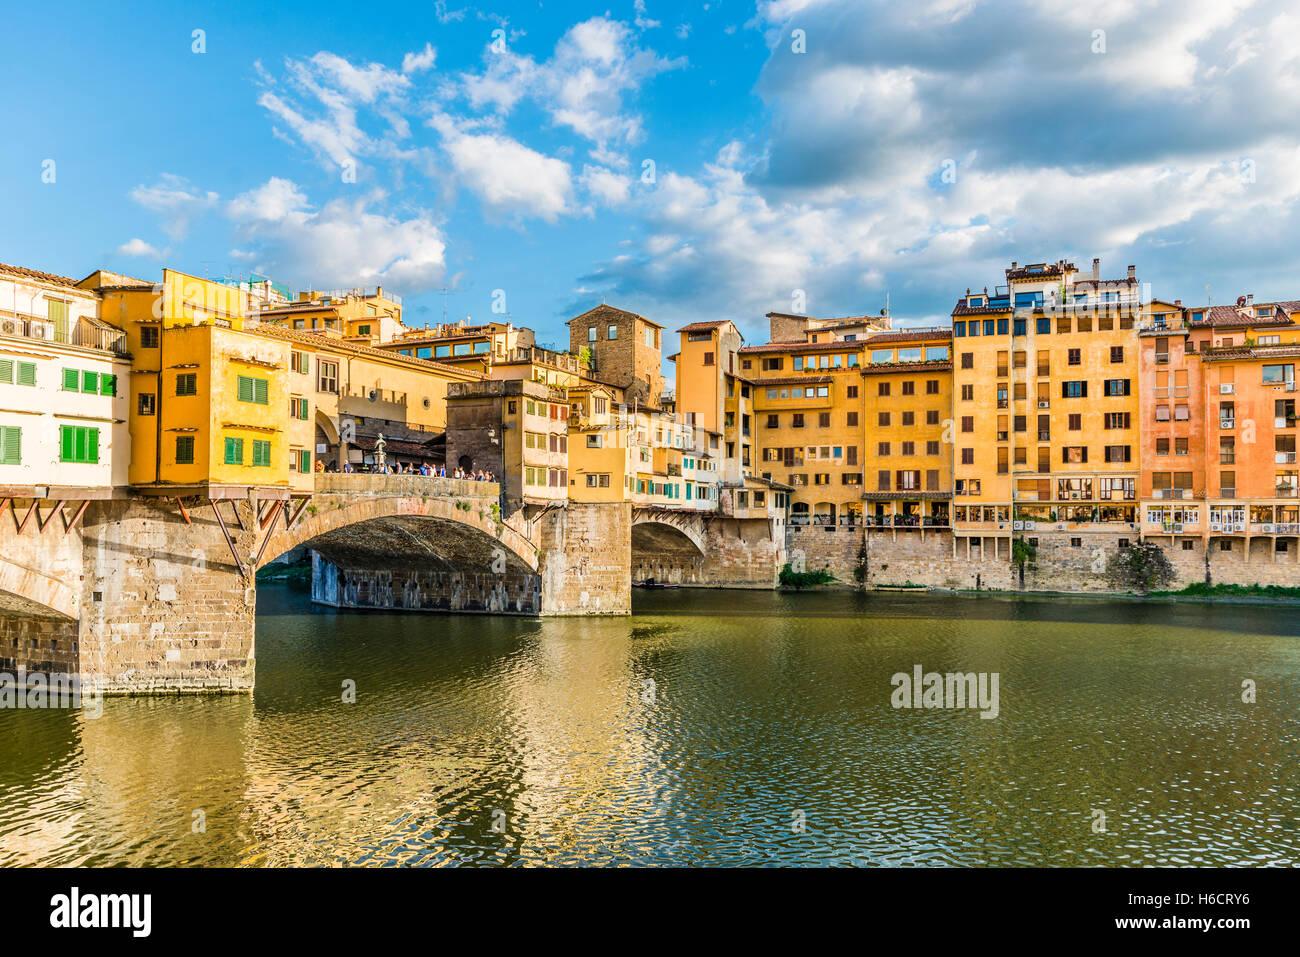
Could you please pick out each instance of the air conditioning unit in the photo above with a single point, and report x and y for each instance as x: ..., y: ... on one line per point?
x: 1216, y: 527
x: 1239, y: 527
x: 1226, y: 388
x: 9, y: 327
x: 1044, y: 404
x: 1060, y: 526
x: 40, y: 330
x: 1266, y: 528
x: 1030, y: 526
x: 1018, y: 526
x: 1178, y: 528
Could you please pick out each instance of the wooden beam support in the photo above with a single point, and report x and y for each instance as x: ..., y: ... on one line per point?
x: 292, y: 519
x: 26, y: 518
x: 266, y: 539
x: 70, y: 525
x: 230, y: 542
x: 234, y: 507
x: 43, y: 523
x: 180, y: 503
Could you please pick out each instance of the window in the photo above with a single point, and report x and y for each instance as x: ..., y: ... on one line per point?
x: 931, y: 386
x: 184, y: 450
x: 1073, y: 454
x: 252, y: 389
x: 601, y: 480
x: 298, y: 408
x: 650, y: 337
x: 708, y: 358
x: 363, y: 330
x: 1074, y: 357
x: 967, y: 456
x: 611, y: 333
x: 968, y: 393
x: 18, y: 373
x: 852, y: 422
x: 11, y: 445
x: 591, y: 334
x: 909, y: 387
x: 932, y: 417
x: 186, y: 383
x: 823, y: 420
x: 78, y: 443
x: 932, y: 448
x: 1188, y: 544
x: 1074, y: 390
x: 234, y: 451
x: 1117, y: 420
x: 298, y: 362
x: 1113, y: 387
x: 327, y: 375
x: 968, y: 423
x: 882, y: 388
x: 147, y: 403
x: 261, y: 453
x: 968, y: 360
x: 796, y: 420
x: 882, y: 419
x: 1116, y: 353
x: 148, y: 337
x: 851, y: 392
x: 773, y: 421
x: 882, y: 448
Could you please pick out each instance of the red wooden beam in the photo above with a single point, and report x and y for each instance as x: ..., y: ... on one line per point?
x: 70, y: 525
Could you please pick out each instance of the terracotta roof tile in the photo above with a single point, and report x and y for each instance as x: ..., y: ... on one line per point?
x: 37, y: 275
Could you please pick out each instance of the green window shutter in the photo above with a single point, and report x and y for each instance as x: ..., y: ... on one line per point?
x: 11, y: 443
x: 71, y: 380
x: 79, y: 444
x: 234, y: 451
x: 245, y: 389
x: 260, y: 391
x: 67, y: 443
x: 92, y: 446
x: 184, y: 450
x: 90, y: 382
x: 261, y: 453
x: 108, y: 384
x: 27, y: 373
x: 6, y: 370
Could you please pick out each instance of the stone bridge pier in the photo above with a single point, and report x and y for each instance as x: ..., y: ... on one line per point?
x: 157, y: 594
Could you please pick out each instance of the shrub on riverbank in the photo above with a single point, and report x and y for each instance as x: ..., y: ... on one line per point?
x: 297, y: 576
x: 799, y: 580
x: 1202, y: 590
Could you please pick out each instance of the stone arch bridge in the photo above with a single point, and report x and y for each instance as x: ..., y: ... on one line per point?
x: 157, y: 593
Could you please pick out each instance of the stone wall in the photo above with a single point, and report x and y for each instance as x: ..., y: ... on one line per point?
x: 586, y: 557
x: 409, y: 589
x: 940, y: 560
x: 165, y: 608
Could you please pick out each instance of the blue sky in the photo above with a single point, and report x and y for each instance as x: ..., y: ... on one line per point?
x: 838, y: 149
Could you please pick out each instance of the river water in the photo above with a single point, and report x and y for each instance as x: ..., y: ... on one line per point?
x: 709, y: 728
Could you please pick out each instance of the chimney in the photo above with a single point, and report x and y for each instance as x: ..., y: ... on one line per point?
x: 1178, y: 302
x: 1132, y: 273
x: 1096, y: 269
x: 1250, y: 298
x: 1014, y: 264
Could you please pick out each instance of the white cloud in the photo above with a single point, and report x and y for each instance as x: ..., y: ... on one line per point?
x: 641, y: 21
x: 176, y: 202
x: 139, y: 249
x: 507, y: 176
x: 594, y: 66
x: 344, y: 242
x: 418, y: 62
x: 605, y: 186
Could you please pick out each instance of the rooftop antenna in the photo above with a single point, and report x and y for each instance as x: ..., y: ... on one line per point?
x: 444, y: 305
x: 1209, y: 300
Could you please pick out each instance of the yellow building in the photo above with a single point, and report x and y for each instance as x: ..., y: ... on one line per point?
x: 1045, y: 404
x: 207, y: 398
x: 357, y: 315
x: 906, y: 402
x: 809, y: 429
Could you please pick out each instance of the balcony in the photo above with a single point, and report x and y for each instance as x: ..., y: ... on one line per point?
x: 1284, y: 422
x: 1171, y: 493
x: 1227, y: 458
x: 1162, y: 358
x: 1287, y: 491
x: 91, y: 334
x: 1044, y: 435
x: 1283, y: 458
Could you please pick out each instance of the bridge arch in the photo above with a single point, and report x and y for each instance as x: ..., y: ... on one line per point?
x: 667, y: 549
x: 328, y: 517
x: 29, y: 591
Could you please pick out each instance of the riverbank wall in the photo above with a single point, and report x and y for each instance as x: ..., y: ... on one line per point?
x: 1064, y: 561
